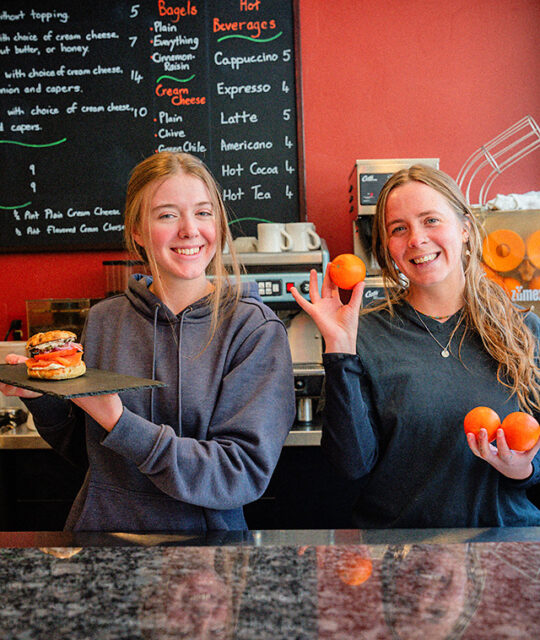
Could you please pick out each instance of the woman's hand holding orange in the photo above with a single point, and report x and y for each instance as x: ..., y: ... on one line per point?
x: 513, y: 464
x: 337, y: 322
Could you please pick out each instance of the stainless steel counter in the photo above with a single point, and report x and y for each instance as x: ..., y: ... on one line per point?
x: 269, y: 537
x: 304, y: 437
x: 26, y: 437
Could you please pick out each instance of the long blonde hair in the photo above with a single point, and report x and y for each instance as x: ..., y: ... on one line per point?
x: 488, y: 309
x: 145, y: 179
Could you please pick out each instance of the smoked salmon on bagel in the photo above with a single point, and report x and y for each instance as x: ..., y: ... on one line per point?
x: 54, y: 355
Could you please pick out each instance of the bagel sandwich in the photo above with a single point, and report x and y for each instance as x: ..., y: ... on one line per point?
x: 54, y: 355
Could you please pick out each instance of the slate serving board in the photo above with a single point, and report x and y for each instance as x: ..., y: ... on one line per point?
x: 94, y: 382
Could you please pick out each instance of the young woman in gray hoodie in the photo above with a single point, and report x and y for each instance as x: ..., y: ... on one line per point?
x: 187, y: 456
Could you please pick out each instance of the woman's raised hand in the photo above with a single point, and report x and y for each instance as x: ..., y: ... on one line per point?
x: 337, y: 322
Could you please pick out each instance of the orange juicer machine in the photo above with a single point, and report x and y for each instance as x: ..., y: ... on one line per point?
x: 511, y: 244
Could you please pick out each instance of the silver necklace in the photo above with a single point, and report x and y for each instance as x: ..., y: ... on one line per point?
x: 445, y: 353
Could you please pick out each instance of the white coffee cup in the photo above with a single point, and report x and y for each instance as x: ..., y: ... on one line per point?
x: 245, y: 244
x: 304, y: 237
x: 273, y: 238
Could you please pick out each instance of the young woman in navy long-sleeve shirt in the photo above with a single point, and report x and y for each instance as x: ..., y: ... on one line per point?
x: 401, y: 376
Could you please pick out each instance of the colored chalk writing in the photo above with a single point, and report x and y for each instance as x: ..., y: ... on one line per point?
x: 87, y: 91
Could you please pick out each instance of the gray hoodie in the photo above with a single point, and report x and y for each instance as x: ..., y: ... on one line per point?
x: 189, y: 455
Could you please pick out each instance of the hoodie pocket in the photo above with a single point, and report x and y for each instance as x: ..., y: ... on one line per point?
x: 110, y: 508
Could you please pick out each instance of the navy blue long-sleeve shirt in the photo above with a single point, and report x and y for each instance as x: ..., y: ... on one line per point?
x: 394, y: 417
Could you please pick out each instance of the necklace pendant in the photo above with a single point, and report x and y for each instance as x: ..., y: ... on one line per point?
x: 445, y: 353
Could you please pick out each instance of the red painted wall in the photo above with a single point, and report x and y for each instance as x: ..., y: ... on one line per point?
x: 389, y: 79
x: 414, y: 79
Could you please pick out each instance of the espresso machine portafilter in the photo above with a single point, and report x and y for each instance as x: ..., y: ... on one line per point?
x: 306, y: 350
x: 308, y: 381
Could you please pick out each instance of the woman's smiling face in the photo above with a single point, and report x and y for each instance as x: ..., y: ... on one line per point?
x: 425, y: 236
x: 181, y: 228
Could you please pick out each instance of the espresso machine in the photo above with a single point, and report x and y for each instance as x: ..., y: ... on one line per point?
x: 366, y: 180
x: 275, y: 274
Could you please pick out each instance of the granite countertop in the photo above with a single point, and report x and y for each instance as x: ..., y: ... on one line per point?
x: 474, y: 584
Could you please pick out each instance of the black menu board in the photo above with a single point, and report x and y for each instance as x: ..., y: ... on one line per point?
x: 87, y: 90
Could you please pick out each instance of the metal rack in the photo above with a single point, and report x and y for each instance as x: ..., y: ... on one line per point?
x: 497, y: 155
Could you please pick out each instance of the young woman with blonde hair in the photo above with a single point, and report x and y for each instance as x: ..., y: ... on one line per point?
x: 187, y: 456
x: 402, y: 375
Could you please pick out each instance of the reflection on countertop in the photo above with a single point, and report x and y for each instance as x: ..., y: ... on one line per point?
x: 430, y: 584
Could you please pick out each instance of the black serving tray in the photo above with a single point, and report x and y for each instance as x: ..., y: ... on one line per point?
x: 94, y: 382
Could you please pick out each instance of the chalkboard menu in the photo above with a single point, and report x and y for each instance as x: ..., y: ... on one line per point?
x: 89, y: 89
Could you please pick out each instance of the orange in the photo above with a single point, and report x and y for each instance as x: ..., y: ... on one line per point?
x: 510, y: 285
x: 355, y: 570
x: 347, y: 270
x: 533, y: 248
x: 503, y: 249
x: 482, y: 418
x: 521, y: 430
x: 493, y: 275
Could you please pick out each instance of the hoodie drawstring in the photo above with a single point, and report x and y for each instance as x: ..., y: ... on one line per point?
x: 157, y: 307
x: 156, y: 310
x: 180, y: 370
